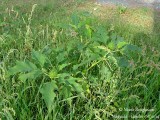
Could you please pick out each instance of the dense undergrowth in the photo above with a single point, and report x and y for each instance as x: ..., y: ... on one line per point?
x: 60, y: 63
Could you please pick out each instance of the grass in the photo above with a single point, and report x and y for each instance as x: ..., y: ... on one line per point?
x: 77, y: 60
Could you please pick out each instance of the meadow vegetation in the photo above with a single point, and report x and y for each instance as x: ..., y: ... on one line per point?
x: 77, y: 60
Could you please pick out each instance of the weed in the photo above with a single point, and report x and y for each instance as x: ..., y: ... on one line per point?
x: 122, y: 9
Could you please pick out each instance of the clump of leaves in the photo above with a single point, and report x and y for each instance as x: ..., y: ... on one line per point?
x: 65, y: 83
x: 68, y: 69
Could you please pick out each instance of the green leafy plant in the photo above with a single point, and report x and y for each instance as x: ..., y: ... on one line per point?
x: 63, y: 82
x: 82, y: 68
x: 122, y: 9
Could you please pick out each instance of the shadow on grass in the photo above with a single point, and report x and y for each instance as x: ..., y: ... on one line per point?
x: 152, y: 39
x: 156, y: 26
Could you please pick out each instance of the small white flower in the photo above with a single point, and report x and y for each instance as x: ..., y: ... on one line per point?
x: 95, y: 8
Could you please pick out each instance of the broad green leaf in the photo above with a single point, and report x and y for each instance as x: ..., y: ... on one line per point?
x: 68, y: 80
x: 62, y: 77
x: 121, y: 44
x: 130, y: 49
x: 117, y: 44
x: 66, y: 91
x: 48, y: 94
x: 22, y: 67
x: 112, y: 45
x: 101, y: 35
x: 39, y: 57
x: 61, y: 56
x: 61, y: 67
x: 123, y: 62
x: 76, y: 86
x: 31, y: 75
